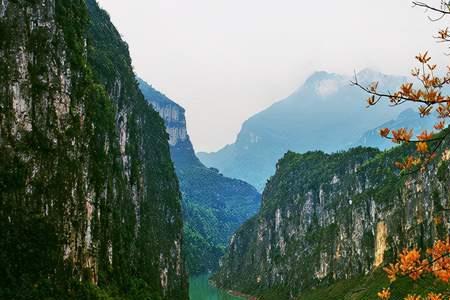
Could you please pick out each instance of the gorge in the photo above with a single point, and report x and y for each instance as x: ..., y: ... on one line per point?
x: 103, y: 197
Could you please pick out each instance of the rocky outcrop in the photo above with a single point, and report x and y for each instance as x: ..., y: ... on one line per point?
x: 89, y: 199
x: 173, y: 115
x: 181, y: 148
x: 331, y: 217
x: 214, y: 205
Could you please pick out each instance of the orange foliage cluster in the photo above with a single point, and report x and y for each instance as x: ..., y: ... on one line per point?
x: 429, y: 94
x: 385, y: 294
x: 431, y: 296
x: 412, y: 265
x: 409, y: 163
x: 430, y: 98
x: 402, y: 135
x: 422, y: 147
x: 413, y: 297
x: 440, y: 253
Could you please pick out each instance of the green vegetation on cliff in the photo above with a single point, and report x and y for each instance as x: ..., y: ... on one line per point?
x: 367, y: 288
x: 327, y: 218
x: 89, y: 200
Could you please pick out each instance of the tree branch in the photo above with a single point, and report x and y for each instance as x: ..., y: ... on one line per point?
x: 438, y: 10
x: 384, y: 95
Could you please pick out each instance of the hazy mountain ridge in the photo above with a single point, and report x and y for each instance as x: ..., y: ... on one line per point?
x: 326, y: 113
x: 214, y: 205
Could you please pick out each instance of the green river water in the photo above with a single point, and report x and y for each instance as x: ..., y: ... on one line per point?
x: 200, y: 289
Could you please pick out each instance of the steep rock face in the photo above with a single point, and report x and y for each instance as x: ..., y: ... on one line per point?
x: 88, y: 193
x: 214, y: 206
x: 326, y: 113
x: 330, y: 217
x: 173, y: 114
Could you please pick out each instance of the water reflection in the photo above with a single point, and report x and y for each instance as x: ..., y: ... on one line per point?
x: 200, y: 289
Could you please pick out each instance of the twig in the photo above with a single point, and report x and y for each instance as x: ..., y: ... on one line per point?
x: 424, y: 5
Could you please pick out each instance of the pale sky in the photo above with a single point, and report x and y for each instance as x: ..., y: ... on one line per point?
x: 224, y: 60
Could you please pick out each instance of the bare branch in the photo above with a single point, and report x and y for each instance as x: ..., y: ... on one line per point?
x: 443, y: 11
x: 390, y: 96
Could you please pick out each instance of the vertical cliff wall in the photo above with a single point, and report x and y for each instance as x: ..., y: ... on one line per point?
x: 331, y: 217
x: 88, y: 194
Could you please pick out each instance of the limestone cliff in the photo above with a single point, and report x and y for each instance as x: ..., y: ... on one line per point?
x: 331, y: 217
x: 89, y: 200
x: 181, y: 148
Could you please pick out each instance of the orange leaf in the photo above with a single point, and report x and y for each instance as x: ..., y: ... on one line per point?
x: 385, y: 132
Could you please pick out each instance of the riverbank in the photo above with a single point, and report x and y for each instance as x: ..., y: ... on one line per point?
x: 241, y: 295
x: 234, y: 293
x: 200, y: 288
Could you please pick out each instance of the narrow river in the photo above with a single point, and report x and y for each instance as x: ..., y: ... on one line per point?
x: 200, y: 289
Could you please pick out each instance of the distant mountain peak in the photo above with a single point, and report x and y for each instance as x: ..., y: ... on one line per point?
x: 369, y: 75
x: 320, y: 76
x: 323, y: 83
x: 370, y: 72
x: 328, y: 87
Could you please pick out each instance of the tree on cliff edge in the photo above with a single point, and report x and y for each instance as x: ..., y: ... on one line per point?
x: 429, y: 96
